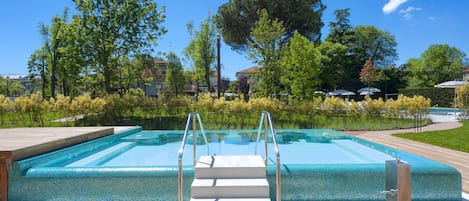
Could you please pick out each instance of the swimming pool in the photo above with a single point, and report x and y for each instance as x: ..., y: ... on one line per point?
x: 443, y: 111
x: 317, y: 164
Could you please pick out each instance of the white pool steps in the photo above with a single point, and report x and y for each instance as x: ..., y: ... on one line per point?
x: 234, y: 177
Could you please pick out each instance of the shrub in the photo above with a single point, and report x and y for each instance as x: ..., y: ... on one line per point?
x: 5, y: 106
x: 462, y: 97
x: 373, y: 107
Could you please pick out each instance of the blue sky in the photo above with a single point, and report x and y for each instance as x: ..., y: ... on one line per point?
x: 416, y: 24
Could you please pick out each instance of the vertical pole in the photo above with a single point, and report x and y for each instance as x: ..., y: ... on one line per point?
x: 218, y: 67
x: 194, y: 136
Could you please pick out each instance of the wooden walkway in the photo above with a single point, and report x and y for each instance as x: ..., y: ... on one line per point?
x: 457, y: 159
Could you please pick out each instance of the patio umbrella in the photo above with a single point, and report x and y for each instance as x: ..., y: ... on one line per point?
x: 342, y: 92
x: 364, y: 93
x: 369, y: 90
x: 451, y: 84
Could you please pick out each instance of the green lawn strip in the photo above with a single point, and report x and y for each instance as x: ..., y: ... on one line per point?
x: 456, y: 139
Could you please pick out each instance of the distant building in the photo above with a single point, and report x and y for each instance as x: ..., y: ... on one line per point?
x: 465, y: 73
x: 248, y: 72
x: 250, y: 75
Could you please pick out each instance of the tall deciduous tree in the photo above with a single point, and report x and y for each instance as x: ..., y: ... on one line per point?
x: 72, y: 60
x: 265, y: 50
x: 175, y: 79
x: 37, y: 66
x: 53, y: 39
x: 334, y: 62
x: 201, y: 50
x: 237, y: 18
x: 118, y: 28
x: 439, y: 63
x: 369, y: 42
x: 301, y: 67
x: 368, y: 73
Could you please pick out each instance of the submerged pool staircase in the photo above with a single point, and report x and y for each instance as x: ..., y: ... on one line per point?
x: 230, y: 177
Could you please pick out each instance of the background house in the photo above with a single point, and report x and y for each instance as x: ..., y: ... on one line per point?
x: 250, y: 75
x: 465, y: 73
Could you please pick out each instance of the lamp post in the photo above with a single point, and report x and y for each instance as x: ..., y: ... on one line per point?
x: 218, y: 67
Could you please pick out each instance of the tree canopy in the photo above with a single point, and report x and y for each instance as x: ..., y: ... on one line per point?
x: 118, y: 28
x: 201, y: 50
x: 301, y: 67
x: 439, y: 63
x: 236, y: 18
x: 174, y: 80
x: 265, y: 49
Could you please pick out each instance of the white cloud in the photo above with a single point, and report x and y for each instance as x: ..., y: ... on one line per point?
x: 392, y: 5
x: 407, y: 13
x: 432, y: 18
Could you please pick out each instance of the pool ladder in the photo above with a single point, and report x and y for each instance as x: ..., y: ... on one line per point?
x: 250, y: 178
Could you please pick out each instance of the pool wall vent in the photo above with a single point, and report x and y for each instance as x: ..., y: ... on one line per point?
x: 398, y: 181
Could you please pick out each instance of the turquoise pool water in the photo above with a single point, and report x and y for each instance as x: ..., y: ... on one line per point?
x: 443, y: 111
x: 151, y: 148
x: 317, y: 164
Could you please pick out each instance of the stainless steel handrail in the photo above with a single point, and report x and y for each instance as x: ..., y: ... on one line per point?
x: 268, y: 125
x: 193, y: 116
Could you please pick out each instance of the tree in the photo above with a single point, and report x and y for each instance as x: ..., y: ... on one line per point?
x: 118, y: 28
x: 201, y: 50
x: 439, y: 63
x: 340, y: 30
x: 390, y: 79
x: 334, y: 61
x: 368, y: 73
x: 265, y: 50
x: 9, y: 87
x: 53, y: 39
x: 368, y: 42
x: 146, y: 71
x: 462, y: 97
x: 37, y: 66
x: 237, y: 18
x: 243, y: 87
x: 301, y: 65
x: 175, y: 79
x: 72, y: 61
x: 337, y: 62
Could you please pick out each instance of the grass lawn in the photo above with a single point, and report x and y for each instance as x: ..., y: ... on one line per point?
x: 456, y: 139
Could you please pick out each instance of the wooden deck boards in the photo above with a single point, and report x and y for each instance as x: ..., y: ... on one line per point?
x: 457, y: 159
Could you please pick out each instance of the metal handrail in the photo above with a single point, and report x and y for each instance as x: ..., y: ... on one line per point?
x: 268, y: 125
x: 193, y: 116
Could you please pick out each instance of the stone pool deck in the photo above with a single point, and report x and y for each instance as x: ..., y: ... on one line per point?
x: 20, y: 143
x: 457, y: 159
